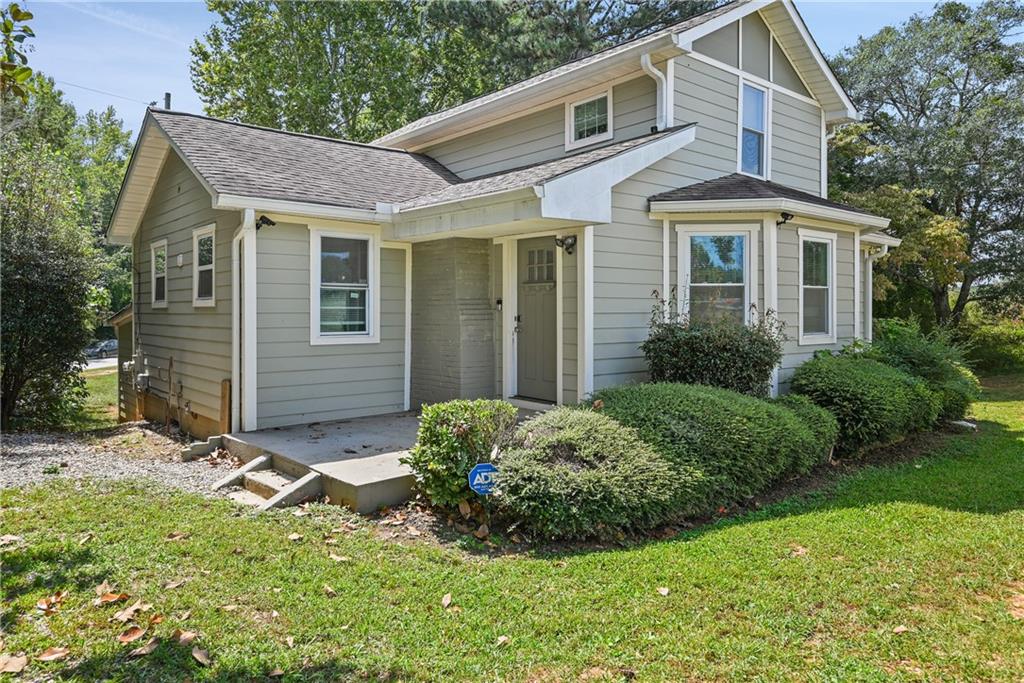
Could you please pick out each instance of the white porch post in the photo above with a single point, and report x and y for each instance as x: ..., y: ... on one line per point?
x: 249, y: 321
x: 869, y: 266
x: 585, y: 371
x: 770, y: 231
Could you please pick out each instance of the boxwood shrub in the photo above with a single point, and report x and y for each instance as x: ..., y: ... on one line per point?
x: 572, y: 474
x: 452, y: 438
x: 740, y: 444
x: 823, y: 427
x: 873, y: 402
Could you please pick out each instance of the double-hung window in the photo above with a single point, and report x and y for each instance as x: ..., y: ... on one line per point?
x: 716, y: 279
x: 203, y: 255
x: 817, y: 287
x: 158, y: 273
x: 344, y: 287
x: 588, y: 121
x: 753, y: 130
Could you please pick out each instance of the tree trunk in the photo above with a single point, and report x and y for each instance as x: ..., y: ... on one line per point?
x: 964, y: 295
x: 940, y: 303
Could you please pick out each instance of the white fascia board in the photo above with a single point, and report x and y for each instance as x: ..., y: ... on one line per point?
x: 238, y: 202
x: 146, y: 133
x: 585, y: 194
x: 879, y: 238
x: 794, y: 206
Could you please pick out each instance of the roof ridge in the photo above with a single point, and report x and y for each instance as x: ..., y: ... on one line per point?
x: 242, y: 124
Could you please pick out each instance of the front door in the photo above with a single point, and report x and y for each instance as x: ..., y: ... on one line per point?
x: 535, y: 319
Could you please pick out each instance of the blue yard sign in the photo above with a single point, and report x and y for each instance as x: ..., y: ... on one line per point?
x: 481, y: 478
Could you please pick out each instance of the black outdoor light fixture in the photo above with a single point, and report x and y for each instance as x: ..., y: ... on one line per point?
x: 567, y: 243
x: 264, y: 221
x: 786, y: 217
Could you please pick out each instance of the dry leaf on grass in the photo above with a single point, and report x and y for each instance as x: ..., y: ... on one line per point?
x: 663, y: 591
x: 289, y: 641
x: 900, y: 629
x: 128, y: 613
x: 796, y: 550
x: 201, y: 656
x: 13, y: 664
x: 108, y: 598
x: 277, y: 672
x: 171, y: 585
x: 183, y: 637
x: 446, y: 601
x: 104, y: 587
x: 9, y: 539
x: 294, y: 536
x: 339, y: 558
x: 464, y: 509
x: 146, y: 649
x: 49, y: 604
x: 156, y: 619
x: 177, y: 536
x: 86, y: 537
x: 131, y: 634
x: 53, y: 654
x: 329, y: 592
x: 502, y: 640
x: 229, y: 608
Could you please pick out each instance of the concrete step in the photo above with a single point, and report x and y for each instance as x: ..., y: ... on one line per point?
x: 247, y: 498
x: 267, y: 483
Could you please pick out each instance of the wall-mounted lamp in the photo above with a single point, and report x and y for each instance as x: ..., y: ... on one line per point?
x: 499, y: 304
x: 264, y: 221
x: 786, y: 217
x: 567, y: 243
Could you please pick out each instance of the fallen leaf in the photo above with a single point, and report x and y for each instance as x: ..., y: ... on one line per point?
x: 290, y: 641
x: 796, y: 550
x: 156, y: 619
x: 294, y: 536
x: 104, y: 588
x: 183, y: 637
x: 185, y: 615
x: 171, y: 585
x: 663, y: 591
x: 86, y: 537
x: 329, y: 592
x: 132, y: 634
x: 177, y: 536
x: 13, y: 664
x: 446, y: 601
x: 49, y: 604
x: 413, y: 531
x: 53, y: 654
x: 339, y: 558
x: 502, y: 640
x: 464, y: 509
x: 128, y: 613
x: 900, y: 629
x: 482, y: 532
x: 108, y: 598
x: 229, y: 608
x: 146, y: 649
x: 201, y: 656
x: 300, y: 513
x: 597, y: 405
x: 10, y: 539
x: 277, y: 672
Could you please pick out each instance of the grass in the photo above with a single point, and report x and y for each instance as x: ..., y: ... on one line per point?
x: 100, y: 408
x: 911, y: 571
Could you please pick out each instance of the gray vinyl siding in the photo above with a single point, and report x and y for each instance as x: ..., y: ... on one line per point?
x: 796, y: 143
x: 707, y: 96
x: 783, y: 72
x: 789, y: 275
x: 722, y: 45
x: 197, y: 339
x: 540, y: 136
x: 756, y: 46
x: 297, y: 382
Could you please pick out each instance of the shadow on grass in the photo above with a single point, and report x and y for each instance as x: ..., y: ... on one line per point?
x: 28, y: 570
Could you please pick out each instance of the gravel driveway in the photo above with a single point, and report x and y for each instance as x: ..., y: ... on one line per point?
x: 27, y: 459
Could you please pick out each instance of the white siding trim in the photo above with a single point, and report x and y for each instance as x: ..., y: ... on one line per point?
x: 770, y: 230
x: 585, y: 352
x: 509, y: 297
x: 236, y: 321
x: 666, y: 266
x: 824, y: 157
x: 407, y: 248
x: 372, y: 335
x: 197, y: 234
x: 711, y: 61
x: 856, y: 287
x: 748, y: 231
x: 831, y: 238
x: 249, y: 395
x: 559, y: 324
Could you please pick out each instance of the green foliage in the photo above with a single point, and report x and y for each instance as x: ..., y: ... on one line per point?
x: 873, y: 402
x: 935, y: 357
x: 15, y: 74
x: 453, y: 437
x: 574, y: 474
x: 823, y: 426
x: 48, y: 268
x: 739, y: 444
x: 997, y: 346
x: 716, y: 352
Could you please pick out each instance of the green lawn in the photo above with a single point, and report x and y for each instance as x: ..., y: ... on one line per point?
x: 915, y: 571
x: 100, y: 409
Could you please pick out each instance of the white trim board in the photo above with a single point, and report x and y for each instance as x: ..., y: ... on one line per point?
x: 779, y: 204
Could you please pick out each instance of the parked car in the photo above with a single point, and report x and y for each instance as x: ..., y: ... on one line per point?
x: 102, y: 349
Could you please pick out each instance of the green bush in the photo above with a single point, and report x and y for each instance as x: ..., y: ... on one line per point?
x: 873, y: 402
x: 571, y: 474
x: 935, y: 357
x: 997, y: 347
x: 718, y: 352
x: 740, y: 444
x: 452, y: 438
x: 823, y: 427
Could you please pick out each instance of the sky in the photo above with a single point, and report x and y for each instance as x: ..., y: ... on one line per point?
x: 134, y: 52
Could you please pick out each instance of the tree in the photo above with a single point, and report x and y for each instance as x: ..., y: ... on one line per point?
x: 360, y: 69
x: 943, y: 100
x: 49, y: 266
x: 14, y: 70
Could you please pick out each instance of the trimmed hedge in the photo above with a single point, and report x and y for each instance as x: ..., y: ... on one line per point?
x: 873, y: 402
x: 452, y: 438
x: 571, y: 473
x: 741, y: 444
x: 997, y: 347
x: 822, y: 424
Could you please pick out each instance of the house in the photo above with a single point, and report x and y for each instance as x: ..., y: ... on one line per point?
x: 510, y: 246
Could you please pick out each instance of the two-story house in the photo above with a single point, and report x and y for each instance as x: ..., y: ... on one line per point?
x: 507, y: 247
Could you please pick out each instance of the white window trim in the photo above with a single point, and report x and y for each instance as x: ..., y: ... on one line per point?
x: 372, y: 335
x: 197, y: 234
x: 683, y: 234
x: 153, y: 248
x: 766, y: 137
x: 831, y: 239
x: 570, y: 106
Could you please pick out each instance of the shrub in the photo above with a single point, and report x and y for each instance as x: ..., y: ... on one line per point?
x: 740, y: 444
x: 873, y: 402
x: 935, y: 357
x: 573, y: 473
x: 997, y: 347
x: 718, y: 352
x: 823, y: 427
x: 452, y: 438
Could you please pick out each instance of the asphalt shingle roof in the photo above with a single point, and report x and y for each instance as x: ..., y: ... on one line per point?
x: 527, y: 176
x: 246, y: 160
x: 739, y: 186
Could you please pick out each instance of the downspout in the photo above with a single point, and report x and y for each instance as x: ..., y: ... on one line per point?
x: 661, y: 82
x: 869, y: 313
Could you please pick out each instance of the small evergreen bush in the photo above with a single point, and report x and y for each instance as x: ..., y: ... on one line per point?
x: 453, y: 437
x: 873, y: 402
x: 573, y: 474
x: 740, y: 444
x: 823, y: 427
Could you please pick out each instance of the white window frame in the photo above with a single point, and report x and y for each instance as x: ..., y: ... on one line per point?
x: 198, y: 234
x: 766, y: 137
x: 372, y: 334
x: 831, y: 239
x: 570, y: 129
x: 750, y: 256
x: 153, y: 248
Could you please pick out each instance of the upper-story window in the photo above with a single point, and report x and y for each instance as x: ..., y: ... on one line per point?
x: 754, y: 127
x: 588, y: 121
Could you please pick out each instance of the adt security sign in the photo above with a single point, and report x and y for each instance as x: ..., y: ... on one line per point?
x: 481, y: 478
